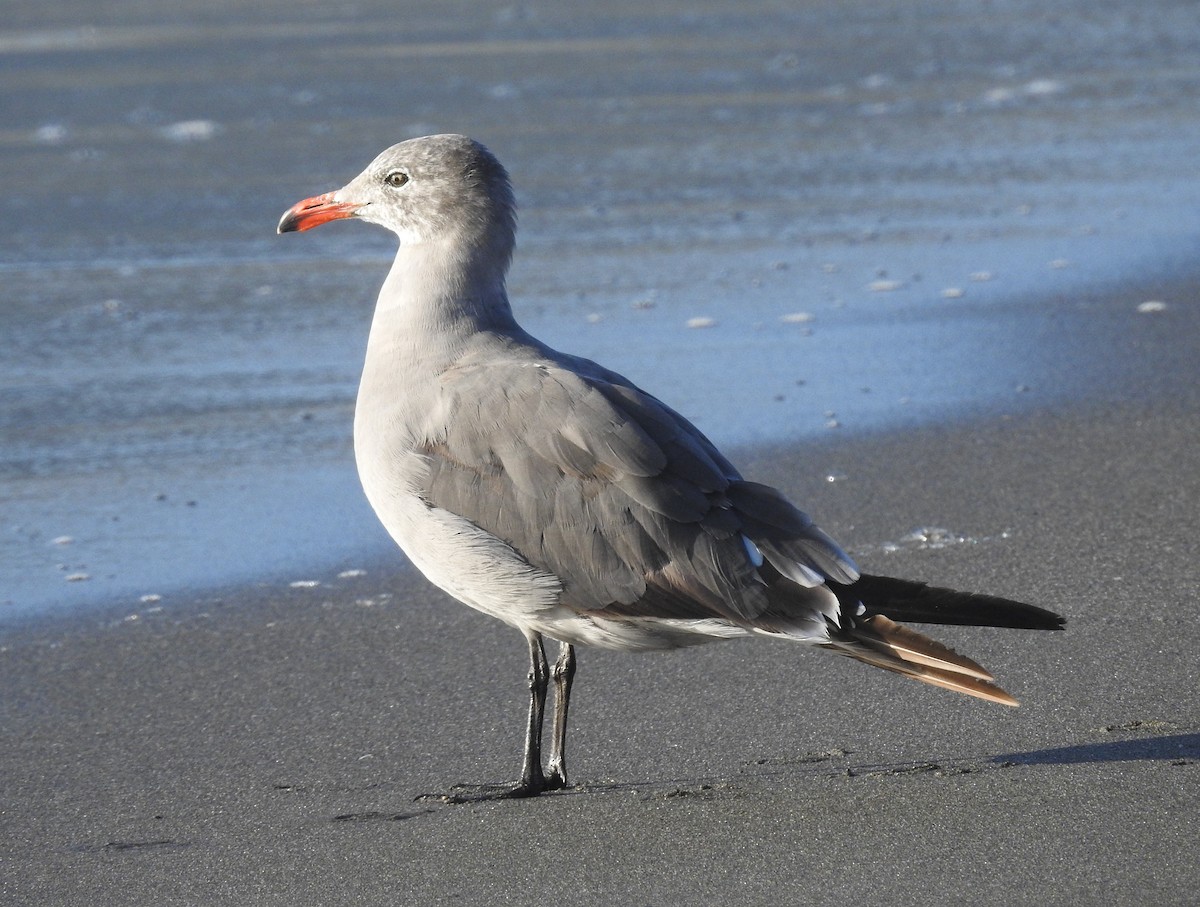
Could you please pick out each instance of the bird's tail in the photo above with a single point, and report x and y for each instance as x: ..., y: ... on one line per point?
x: 919, y: 603
x: 869, y: 632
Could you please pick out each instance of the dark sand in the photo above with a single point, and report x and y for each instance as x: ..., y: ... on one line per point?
x: 267, y: 745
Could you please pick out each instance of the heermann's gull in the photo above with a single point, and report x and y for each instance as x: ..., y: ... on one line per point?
x: 553, y: 494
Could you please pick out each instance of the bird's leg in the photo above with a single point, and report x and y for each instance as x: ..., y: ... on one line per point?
x: 563, y: 673
x: 533, y: 782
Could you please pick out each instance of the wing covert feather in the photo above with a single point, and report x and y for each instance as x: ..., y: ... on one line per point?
x: 614, y: 493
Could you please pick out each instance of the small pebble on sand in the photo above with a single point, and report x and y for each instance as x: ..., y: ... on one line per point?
x: 190, y: 131
x: 1044, y: 87
x: 51, y: 134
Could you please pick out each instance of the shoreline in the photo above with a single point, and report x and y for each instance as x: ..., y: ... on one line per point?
x: 1078, y: 351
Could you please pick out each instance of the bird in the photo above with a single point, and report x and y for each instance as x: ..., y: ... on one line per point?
x: 557, y: 496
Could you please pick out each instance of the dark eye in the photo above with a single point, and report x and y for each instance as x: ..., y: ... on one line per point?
x: 396, y: 179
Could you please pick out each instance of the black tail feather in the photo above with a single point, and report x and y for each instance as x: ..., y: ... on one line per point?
x: 913, y: 602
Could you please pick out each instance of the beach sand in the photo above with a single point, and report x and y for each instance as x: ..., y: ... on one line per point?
x: 269, y: 745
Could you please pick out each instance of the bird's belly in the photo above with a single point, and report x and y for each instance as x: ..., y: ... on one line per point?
x: 454, y: 554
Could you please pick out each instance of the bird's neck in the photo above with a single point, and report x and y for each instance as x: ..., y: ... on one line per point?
x: 439, y: 294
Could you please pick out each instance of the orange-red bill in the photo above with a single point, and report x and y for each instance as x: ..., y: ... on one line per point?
x: 312, y: 212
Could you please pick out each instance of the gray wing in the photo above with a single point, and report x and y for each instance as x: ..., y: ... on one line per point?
x: 623, y: 499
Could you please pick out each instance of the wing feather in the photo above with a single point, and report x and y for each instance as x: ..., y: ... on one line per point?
x: 621, y: 498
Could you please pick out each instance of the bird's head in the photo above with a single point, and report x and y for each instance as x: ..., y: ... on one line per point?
x: 439, y: 187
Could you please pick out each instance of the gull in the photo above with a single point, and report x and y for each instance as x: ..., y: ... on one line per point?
x: 558, y: 497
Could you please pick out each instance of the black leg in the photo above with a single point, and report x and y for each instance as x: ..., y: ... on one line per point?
x: 532, y: 781
x: 564, y: 673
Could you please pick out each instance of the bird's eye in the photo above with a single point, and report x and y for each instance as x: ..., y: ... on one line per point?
x: 396, y: 179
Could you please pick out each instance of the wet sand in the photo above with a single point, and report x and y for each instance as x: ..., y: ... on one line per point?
x: 926, y: 192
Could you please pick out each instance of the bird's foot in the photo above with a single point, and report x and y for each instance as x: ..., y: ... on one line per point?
x: 479, y: 793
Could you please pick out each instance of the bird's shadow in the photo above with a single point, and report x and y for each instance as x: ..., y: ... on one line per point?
x: 1175, y: 749
x: 1172, y: 747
